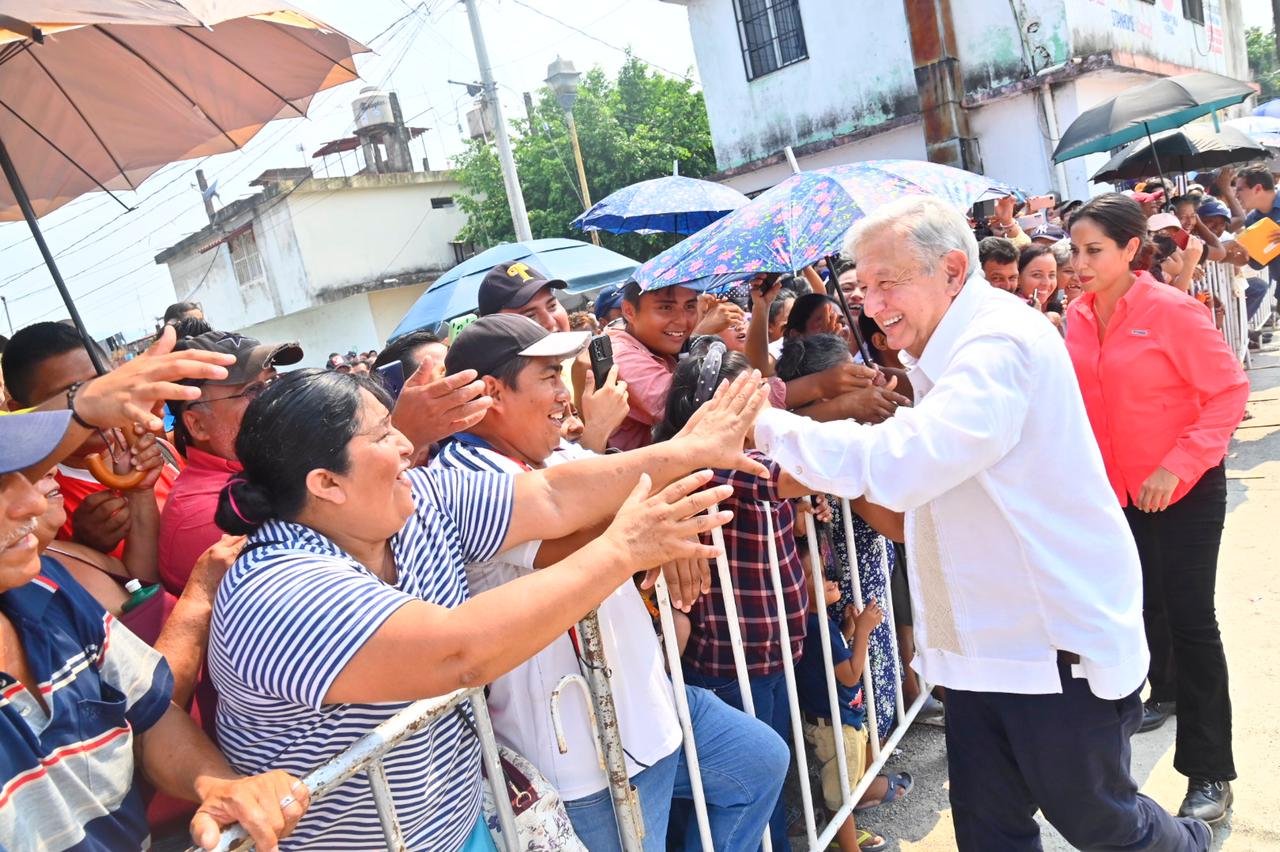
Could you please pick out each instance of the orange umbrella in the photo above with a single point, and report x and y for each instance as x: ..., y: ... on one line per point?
x: 99, y: 94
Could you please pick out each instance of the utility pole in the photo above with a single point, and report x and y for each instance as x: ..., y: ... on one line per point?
x: 489, y: 98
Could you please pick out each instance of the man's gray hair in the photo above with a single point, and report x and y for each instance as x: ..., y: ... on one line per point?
x: 1062, y: 252
x: 927, y: 226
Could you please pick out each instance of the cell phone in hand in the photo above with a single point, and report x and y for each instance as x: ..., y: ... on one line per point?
x: 600, y: 349
x: 1180, y: 238
x: 392, y: 378
x: 984, y: 210
x: 1041, y: 202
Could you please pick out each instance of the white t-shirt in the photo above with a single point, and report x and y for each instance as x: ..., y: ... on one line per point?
x: 520, y: 701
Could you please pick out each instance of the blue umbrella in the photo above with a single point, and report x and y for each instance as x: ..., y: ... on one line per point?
x: 581, y: 265
x: 673, y: 205
x: 805, y: 218
x: 1270, y: 109
x: 1263, y: 129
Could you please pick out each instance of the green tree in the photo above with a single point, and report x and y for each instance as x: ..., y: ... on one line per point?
x: 1261, y: 47
x: 631, y: 128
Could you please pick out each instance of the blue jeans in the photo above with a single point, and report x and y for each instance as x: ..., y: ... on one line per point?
x: 769, y: 695
x: 740, y: 793
x: 1254, y: 290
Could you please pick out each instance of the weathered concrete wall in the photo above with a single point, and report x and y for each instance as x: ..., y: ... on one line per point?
x: 1156, y: 36
x: 858, y: 75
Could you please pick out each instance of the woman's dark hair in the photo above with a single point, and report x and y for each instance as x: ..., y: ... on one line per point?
x: 804, y: 356
x: 868, y: 328
x: 1121, y: 219
x: 803, y: 310
x: 302, y: 422
x: 178, y: 310
x: 684, y: 384
x: 779, y: 302
x: 1031, y: 252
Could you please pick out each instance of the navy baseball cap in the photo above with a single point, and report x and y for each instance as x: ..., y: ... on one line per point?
x: 1213, y: 207
x: 492, y: 341
x: 1052, y: 233
x: 608, y: 299
x: 26, y: 439
x: 512, y: 285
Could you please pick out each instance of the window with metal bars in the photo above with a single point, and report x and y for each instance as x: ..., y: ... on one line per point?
x: 246, y: 260
x: 771, y: 34
x: 1193, y: 10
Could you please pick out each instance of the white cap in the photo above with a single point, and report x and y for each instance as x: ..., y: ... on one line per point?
x: 1160, y: 221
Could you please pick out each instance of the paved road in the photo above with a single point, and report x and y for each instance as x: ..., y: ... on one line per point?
x: 1249, y: 611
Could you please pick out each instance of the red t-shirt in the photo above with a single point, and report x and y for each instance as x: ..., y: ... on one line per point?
x: 187, y: 529
x: 77, y: 484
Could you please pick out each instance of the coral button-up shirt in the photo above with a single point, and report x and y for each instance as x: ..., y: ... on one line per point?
x: 1161, y: 388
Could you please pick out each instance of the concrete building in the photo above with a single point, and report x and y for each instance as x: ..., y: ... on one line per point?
x: 982, y: 84
x: 332, y: 262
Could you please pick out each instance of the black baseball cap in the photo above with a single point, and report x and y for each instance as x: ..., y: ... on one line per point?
x: 492, y: 341
x: 512, y: 285
x: 252, y: 356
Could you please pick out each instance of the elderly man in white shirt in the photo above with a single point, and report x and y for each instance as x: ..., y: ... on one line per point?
x: 1026, y: 584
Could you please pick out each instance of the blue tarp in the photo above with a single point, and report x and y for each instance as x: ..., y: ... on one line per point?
x: 582, y: 266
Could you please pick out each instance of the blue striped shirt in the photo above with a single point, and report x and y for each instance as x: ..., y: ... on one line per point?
x: 67, y: 775
x: 290, y: 614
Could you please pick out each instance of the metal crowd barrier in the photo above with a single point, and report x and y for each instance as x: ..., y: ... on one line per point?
x: 367, y: 753
x: 1220, y: 281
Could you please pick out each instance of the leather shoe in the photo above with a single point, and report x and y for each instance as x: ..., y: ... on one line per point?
x: 1206, y: 800
x: 1155, y: 714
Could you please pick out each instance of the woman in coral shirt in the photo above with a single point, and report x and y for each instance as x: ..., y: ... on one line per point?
x: 1164, y: 394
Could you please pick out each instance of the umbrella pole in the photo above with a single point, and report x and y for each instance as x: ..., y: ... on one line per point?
x: 28, y: 213
x: 834, y: 285
x: 1155, y: 155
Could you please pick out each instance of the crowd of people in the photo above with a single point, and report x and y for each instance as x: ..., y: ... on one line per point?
x: 197, y: 609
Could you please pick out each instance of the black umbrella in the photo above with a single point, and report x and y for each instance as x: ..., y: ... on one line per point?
x: 1192, y: 148
x: 1162, y: 104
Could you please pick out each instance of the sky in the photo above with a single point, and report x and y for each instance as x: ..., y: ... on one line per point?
x: 107, y: 255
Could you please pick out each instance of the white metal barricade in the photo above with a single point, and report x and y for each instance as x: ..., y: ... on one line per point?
x: 852, y: 793
x: 366, y: 753
x: 1232, y: 318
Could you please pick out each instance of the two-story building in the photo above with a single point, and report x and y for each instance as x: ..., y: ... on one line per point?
x: 332, y: 262
x: 984, y: 84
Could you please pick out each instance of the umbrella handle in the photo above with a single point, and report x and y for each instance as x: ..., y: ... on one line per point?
x: 101, y: 469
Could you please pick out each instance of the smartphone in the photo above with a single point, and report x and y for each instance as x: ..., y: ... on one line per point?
x: 392, y: 378
x: 1180, y: 238
x: 984, y: 210
x: 600, y: 348
x: 1041, y: 202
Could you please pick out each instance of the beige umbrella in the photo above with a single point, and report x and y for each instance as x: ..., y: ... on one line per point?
x: 99, y: 94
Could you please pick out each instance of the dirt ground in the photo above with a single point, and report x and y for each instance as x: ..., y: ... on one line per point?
x: 1248, y: 603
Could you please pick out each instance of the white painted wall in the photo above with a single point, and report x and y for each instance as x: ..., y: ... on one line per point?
x: 349, y: 236
x: 337, y: 327
x: 1159, y: 30
x: 858, y: 74
x: 1011, y: 138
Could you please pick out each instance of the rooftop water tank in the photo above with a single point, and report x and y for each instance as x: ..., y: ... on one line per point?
x: 372, y: 108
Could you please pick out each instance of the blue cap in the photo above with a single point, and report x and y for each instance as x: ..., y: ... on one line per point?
x: 1048, y: 232
x: 608, y: 299
x: 1213, y: 207
x: 25, y: 439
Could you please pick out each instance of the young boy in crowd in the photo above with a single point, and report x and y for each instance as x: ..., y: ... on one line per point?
x: 848, y: 639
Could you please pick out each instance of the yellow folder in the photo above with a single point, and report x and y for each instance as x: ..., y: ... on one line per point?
x: 1261, y: 240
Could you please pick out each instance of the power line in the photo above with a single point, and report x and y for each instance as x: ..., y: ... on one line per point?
x: 598, y: 40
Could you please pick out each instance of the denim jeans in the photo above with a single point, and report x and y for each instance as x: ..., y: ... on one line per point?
x: 740, y: 793
x: 769, y: 695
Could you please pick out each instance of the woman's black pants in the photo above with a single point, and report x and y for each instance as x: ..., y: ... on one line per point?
x: 1179, y: 552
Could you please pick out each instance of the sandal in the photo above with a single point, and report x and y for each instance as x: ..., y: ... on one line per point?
x: 871, y: 842
x: 897, y: 781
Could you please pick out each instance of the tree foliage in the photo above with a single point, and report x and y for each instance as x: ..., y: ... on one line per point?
x: 631, y: 128
x: 1261, y: 47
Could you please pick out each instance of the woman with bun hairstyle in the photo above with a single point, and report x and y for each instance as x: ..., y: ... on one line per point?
x: 350, y: 597
x: 1164, y: 394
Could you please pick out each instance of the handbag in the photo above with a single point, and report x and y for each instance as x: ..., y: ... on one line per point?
x: 542, y: 824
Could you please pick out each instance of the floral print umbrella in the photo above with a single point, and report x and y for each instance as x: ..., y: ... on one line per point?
x: 805, y: 218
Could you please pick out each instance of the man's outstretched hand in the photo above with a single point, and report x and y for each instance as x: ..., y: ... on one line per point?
x: 433, y: 407
x: 717, y: 432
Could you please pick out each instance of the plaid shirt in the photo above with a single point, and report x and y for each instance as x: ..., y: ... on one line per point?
x: 709, y: 651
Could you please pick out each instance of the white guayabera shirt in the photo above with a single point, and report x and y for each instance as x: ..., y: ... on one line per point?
x: 1017, y: 548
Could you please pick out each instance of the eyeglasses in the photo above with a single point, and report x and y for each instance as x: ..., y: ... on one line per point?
x: 251, y: 391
